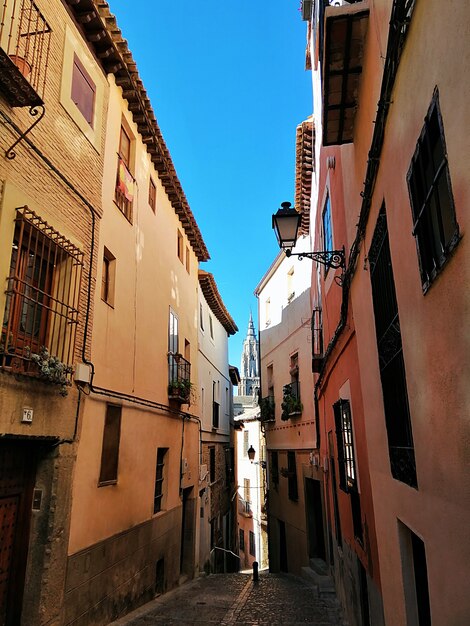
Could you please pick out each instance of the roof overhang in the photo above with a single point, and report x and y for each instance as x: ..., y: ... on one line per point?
x: 345, y: 33
x: 215, y: 302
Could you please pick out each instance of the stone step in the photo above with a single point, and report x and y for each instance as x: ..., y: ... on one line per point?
x: 319, y: 566
x: 324, y: 584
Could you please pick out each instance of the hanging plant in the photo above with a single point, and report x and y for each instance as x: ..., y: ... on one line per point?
x: 50, y: 369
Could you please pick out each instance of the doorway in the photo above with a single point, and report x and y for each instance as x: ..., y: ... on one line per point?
x: 17, y: 474
x: 314, y: 513
x: 187, y: 533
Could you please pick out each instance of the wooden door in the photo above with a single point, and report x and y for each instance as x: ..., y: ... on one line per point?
x: 16, y: 488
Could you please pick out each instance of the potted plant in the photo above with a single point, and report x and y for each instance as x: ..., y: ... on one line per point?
x: 50, y: 369
x: 291, y: 405
x: 180, y: 390
x: 266, y: 406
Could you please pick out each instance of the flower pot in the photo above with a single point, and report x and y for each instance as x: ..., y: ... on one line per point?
x: 22, y: 64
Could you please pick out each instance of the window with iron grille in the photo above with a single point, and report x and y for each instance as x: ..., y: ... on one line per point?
x: 391, y: 362
x: 159, y: 480
x: 212, y: 464
x: 252, y: 543
x: 327, y: 229
x: 242, y: 539
x: 292, y: 487
x: 275, y: 469
x: 124, y: 192
x: 110, y: 447
x: 317, y: 332
x: 42, y: 294
x: 345, y: 445
x: 434, y: 221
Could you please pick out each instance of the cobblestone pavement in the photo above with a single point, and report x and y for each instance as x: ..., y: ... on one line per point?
x: 233, y: 599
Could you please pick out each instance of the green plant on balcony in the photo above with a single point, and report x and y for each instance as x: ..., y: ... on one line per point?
x: 266, y: 406
x: 291, y: 404
x: 182, y: 390
x: 50, y: 369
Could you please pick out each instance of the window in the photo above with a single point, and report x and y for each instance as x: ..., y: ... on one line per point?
x: 152, y: 195
x: 159, y: 479
x: 201, y: 317
x: 246, y: 444
x: 188, y: 264
x: 290, y: 285
x: 215, y: 406
x: 344, y: 441
x: 83, y: 90
x: 110, y: 448
x: 267, y: 312
x: 327, y: 230
x: 292, y: 487
x: 391, y: 363
x: 42, y: 292
x: 356, y: 515
x: 211, y: 326
x: 107, y: 277
x: 212, y: 464
x: 124, y: 194
x: 415, y: 577
x: 179, y: 246
x: 242, y: 539
x: 252, y: 544
x: 434, y: 221
x: 246, y: 489
x: 275, y: 469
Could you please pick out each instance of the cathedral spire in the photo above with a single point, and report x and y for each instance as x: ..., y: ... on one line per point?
x: 249, y: 370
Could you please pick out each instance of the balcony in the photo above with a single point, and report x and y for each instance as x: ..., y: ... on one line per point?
x: 344, y: 28
x: 291, y: 405
x: 244, y: 508
x: 179, y: 379
x: 267, y: 409
x: 215, y: 414
x: 25, y: 39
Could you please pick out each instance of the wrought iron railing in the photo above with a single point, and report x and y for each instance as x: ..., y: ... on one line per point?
x: 267, y: 409
x: 179, y: 378
x: 317, y: 339
x: 25, y: 39
x: 291, y: 404
x: 42, y: 294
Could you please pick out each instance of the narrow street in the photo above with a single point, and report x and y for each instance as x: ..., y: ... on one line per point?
x: 227, y: 599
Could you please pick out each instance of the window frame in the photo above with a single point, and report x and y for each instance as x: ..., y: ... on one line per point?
x: 160, y: 475
x: 424, y: 226
x: 327, y: 229
x: 212, y: 464
x: 292, y: 483
x: 152, y: 195
x: 241, y: 539
x: 108, y: 277
x: 124, y: 158
x: 110, y: 446
x: 180, y: 246
x: 79, y: 73
x: 252, y: 539
x: 345, y: 444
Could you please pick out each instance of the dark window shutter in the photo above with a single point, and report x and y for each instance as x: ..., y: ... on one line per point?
x: 339, y: 445
x: 110, y: 450
x: 83, y: 91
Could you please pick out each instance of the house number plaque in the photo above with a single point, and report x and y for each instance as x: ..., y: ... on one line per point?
x: 27, y: 415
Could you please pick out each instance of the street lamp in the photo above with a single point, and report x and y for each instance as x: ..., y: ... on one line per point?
x: 251, y: 453
x: 286, y: 224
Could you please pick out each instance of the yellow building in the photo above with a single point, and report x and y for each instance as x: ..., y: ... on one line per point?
x: 51, y: 164
x: 133, y: 522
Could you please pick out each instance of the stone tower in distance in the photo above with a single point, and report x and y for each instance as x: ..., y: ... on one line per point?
x: 249, y: 370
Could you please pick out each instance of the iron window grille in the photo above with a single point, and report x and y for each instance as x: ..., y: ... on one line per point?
x: 242, y: 539
x: 316, y: 326
x: 292, y: 487
x: 390, y: 352
x: 159, y: 479
x: 327, y: 230
x: 345, y: 445
x: 25, y: 39
x: 42, y: 294
x: 435, y: 225
x: 252, y: 543
x: 215, y: 414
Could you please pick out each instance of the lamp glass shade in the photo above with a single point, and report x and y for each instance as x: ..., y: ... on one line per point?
x: 286, y: 224
x: 251, y: 453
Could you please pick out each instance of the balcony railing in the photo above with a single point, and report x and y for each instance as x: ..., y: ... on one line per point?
x: 25, y: 39
x: 291, y: 404
x: 215, y: 414
x: 244, y: 508
x: 267, y: 409
x: 179, y: 379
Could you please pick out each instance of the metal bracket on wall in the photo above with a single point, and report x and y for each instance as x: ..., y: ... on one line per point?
x: 38, y: 111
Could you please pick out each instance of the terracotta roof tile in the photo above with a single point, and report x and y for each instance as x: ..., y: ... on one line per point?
x: 304, y: 166
x: 215, y: 302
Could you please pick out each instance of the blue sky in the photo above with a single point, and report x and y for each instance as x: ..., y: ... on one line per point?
x: 228, y: 88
